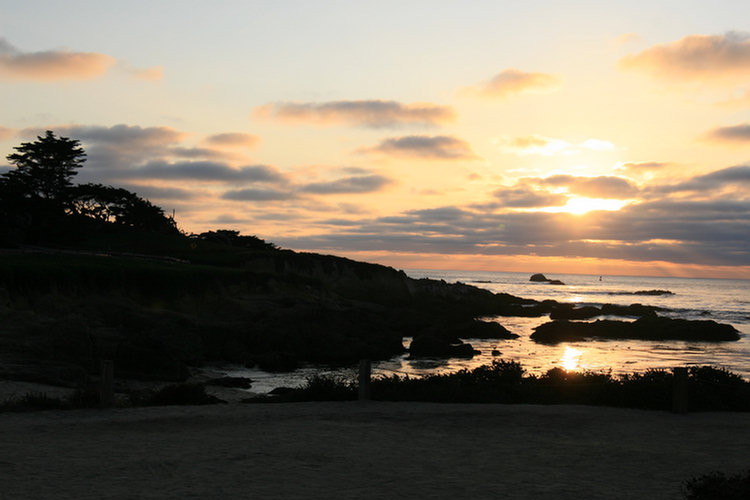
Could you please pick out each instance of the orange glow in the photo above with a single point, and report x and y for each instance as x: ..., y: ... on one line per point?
x: 571, y: 358
x: 580, y: 206
x: 534, y: 263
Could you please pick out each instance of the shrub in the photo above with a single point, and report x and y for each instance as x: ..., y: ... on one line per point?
x: 328, y: 388
x: 718, y: 486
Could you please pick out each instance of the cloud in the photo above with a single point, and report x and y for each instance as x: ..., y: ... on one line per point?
x: 525, y: 197
x: 703, y: 58
x: 126, y: 136
x: 51, y: 65
x: 255, y: 194
x: 206, y: 171
x: 6, y: 133
x: 366, y: 113
x: 593, y: 187
x: 439, y: 147
x: 125, y: 146
x: 739, y: 100
x: 355, y: 184
x: 234, y: 139
x: 732, y: 176
x: 512, y: 82
x: 547, y: 146
x: 640, y: 166
x: 160, y: 192
x: 734, y: 133
x: 153, y: 74
x: 703, y: 233
x: 627, y: 38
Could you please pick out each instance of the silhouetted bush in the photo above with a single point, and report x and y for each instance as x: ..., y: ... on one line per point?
x: 33, y: 401
x: 329, y: 388
x: 38, y: 401
x: 717, y: 389
x: 710, y: 389
x: 570, y: 387
x: 719, y: 486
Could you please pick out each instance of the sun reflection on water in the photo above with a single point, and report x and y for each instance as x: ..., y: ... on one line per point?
x: 571, y: 358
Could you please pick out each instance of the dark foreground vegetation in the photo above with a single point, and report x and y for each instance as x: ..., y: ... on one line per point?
x: 709, y: 388
x: 172, y: 394
x: 503, y: 382
x: 719, y: 486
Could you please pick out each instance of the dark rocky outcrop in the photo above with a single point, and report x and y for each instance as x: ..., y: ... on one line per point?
x: 483, y: 330
x: 157, y: 319
x: 632, y: 310
x: 234, y: 382
x: 644, y: 328
x: 571, y: 312
x: 540, y: 278
x: 429, y: 346
x: 275, y: 309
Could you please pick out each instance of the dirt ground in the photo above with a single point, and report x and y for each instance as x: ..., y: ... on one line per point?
x: 363, y: 450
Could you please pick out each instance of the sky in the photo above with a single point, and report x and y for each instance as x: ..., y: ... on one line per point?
x: 547, y: 136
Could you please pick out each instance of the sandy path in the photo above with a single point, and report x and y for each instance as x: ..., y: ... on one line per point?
x: 365, y: 450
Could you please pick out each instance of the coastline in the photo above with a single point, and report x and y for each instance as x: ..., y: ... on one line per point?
x: 366, y: 450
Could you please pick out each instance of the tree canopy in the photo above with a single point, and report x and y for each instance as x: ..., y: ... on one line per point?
x: 45, y: 167
x: 38, y: 201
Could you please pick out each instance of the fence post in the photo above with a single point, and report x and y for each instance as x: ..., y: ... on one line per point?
x: 106, y: 384
x: 680, y: 390
x: 365, y: 369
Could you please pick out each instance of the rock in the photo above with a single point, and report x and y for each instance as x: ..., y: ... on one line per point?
x: 634, y: 310
x: 429, y: 346
x: 660, y: 328
x: 238, y: 382
x: 650, y: 327
x: 568, y: 311
x: 282, y: 391
x: 653, y: 292
x: 483, y: 330
x: 540, y: 278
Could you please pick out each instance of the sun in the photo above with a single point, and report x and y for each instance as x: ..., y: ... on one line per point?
x: 580, y: 206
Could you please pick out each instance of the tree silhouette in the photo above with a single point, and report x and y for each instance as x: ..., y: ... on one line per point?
x: 40, y: 205
x: 44, y: 169
x: 119, y: 206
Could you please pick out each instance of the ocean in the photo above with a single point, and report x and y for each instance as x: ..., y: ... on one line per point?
x: 722, y: 300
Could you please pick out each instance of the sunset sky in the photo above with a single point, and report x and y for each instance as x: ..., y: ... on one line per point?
x: 580, y: 136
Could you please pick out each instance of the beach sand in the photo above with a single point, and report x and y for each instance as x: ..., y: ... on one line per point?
x: 365, y: 450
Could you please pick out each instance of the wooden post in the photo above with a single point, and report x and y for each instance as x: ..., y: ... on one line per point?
x: 680, y: 390
x: 106, y: 384
x: 365, y: 369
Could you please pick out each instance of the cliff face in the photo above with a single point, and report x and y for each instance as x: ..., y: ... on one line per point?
x: 63, y: 313
x: 349, y: 278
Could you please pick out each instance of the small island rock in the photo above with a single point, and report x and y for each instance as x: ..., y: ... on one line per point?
x: 540, y: 278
